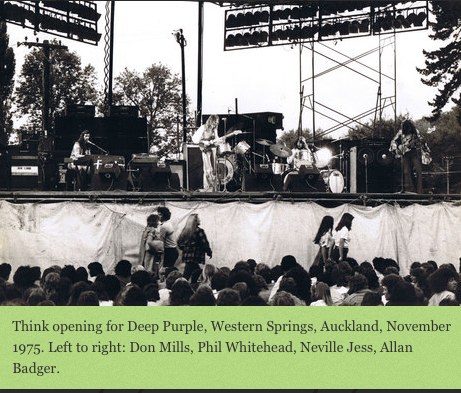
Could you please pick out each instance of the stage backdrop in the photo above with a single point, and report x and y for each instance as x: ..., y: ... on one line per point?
x: 79, y: 233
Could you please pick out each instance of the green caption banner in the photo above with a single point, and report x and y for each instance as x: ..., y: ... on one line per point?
x: 230, y: 347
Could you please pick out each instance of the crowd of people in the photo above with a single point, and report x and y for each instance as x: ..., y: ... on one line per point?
x: 162, y: 276
x: 247, y: 283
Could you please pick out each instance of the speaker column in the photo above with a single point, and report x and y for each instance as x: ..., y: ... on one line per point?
x: 372, y: 167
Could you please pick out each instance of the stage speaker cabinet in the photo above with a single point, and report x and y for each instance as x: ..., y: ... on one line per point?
x: 261, y: 180
x: 109, y: 174
x: 178, y: 174
x: 5, y: 170
x: 76, y: 110
x: 123, y: 111
x: 24, y: 172
x: 194, y: 167
x: 372, y: 167
x: 48, y: 172
x: 157, y: 177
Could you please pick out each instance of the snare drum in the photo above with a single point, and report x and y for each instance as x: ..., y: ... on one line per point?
x: 336, y: 181
x: 224, y: 149
x: 241, y: 148
x: 278, y: 168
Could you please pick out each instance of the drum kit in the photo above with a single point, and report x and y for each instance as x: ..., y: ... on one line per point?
x: 231, y: 162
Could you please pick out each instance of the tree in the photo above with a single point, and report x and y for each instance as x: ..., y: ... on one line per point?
x: 69, y: 84
x: 7, y: 67
x: 443, y: 66
x: 157, y: 94
x: 288, y: 138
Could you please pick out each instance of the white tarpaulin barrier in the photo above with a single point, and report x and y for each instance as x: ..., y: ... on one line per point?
x: 79, y: 233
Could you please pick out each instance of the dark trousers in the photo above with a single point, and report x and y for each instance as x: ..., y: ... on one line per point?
x: 170, y: 256
x: 335, y: 253
x: 412, y: 160
x: 189, y: 268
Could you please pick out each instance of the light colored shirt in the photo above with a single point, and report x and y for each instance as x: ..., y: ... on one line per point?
x: 167, y: 235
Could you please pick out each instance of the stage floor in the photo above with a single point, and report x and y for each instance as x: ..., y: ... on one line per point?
x: 327, y: 199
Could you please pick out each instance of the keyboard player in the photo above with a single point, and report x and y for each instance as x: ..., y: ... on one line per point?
x: 81, y: 164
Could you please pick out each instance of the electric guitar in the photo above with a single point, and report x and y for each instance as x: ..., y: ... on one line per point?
x: 208, y: 145
x: 404, y: 145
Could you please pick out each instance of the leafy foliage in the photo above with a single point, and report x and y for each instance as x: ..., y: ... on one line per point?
x: 288, y: 138
x: 69, y: 84
x: 157, y: 93
x: 7, y: 67
x: 443, y: 66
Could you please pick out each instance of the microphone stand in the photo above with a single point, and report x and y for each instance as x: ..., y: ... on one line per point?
x: 98, y: 147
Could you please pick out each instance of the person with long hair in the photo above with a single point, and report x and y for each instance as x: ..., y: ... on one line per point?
x: 194, y: 245
x: 342, y: 237
x: 81, y: 172
x: 324, y: 238
x: 205, y: 136
x: 321, y: 295
x: 413, y: 151
x: 151, y: 247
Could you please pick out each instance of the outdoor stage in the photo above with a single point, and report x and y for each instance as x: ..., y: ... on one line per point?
x: 47, y: 228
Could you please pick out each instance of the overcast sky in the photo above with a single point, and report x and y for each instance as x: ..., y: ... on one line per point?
x: 262, y: 79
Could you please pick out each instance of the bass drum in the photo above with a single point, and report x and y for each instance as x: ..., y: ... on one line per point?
x: 336, y: 181
x: 224, y: 170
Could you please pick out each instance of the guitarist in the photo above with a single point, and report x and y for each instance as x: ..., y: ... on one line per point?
x: 408, y: 146
x: 207, y: 138
x: 204, y: 136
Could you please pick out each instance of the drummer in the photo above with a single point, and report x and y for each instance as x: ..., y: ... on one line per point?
x: 301, y: 158
x: 301, y: 152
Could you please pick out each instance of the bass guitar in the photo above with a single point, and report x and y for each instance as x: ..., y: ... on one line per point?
x: 208, y: 145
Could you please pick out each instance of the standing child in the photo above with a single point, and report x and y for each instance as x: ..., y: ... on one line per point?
x: 342, y: 237
x: 324, y: 239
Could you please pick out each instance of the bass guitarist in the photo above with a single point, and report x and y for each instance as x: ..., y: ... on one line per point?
x: 207, y: 138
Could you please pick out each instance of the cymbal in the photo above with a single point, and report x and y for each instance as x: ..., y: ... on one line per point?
x: 264, y: 142
x: 240, y: 133
x: 280, y: 151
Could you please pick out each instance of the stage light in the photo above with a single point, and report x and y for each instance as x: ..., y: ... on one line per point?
x: 323, y: 157
x: 308, y: 11
x: 14, y: 13
x: 364, y: 26
x: 295, y: 13
x: 231, y: 21
x: 240, y: 20
x: 419, y: 19
x: 344, y: 28
x: 326, y: 30
x: 308, y: 31
x: 295, y: 33
x: 276, y: 15
x: 397, y: 23
x: 230, y: 40
x: 285, y: 14
x: 354, y: 27
x: 264, y: 18
x: 250, y: 19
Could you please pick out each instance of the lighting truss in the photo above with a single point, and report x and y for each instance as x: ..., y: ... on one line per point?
x: 264, y: 25
x: 76, y: 20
